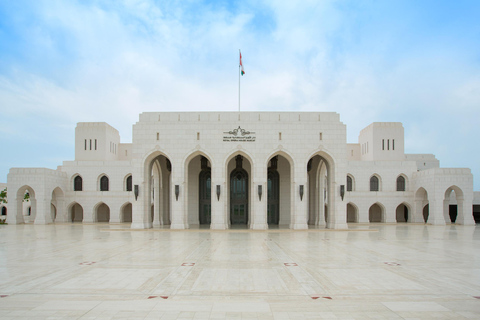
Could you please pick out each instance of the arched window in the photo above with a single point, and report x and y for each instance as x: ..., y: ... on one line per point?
x: 129, y: 183
x: 374, y: 183
x: 400, y: 183
x: 77, y: 183
x: 104, y: 183
x: 4, y: 211
x: 349, y: 183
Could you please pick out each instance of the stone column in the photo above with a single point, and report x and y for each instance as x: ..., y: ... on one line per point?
x: 177, y: 205
x: 15, y: 211
x: 435, y: 214
x: 219, y: 215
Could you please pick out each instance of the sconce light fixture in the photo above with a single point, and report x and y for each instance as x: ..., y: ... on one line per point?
x: 301, y: 192
x: 136, y: 192
x: 342, y: 191
x: 218, y: 192
x: 177, y: 191
x: 260, y: 192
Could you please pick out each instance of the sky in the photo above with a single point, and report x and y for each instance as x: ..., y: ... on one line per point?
x: 410, y: 61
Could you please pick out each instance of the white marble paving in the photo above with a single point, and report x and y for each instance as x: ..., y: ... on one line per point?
x: 75, y: 271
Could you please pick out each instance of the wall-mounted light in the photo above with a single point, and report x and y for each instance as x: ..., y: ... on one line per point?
x: 177, y: 191
x: 260, y: 192
x: 136, y: 192
x: 218, y: 192
x: 342, y: 191
x: 301, y: 192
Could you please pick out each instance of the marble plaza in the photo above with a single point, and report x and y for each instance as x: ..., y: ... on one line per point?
x: 110, y: 271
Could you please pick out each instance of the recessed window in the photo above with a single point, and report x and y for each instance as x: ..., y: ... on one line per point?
x: 374, y: 183
x: 77, y: 183
x: 129, y: 183
x: 279, y: 136
x: 90, y: 144
x: 95, y: 144
x: 321, y: 136
x: 349, y: 183
x: 388, y: 144
x: 104, y: 183
x: 85, y: 144
x: 383, y: 144
x: 198, y: 135
x: 158, y: 136
x: 400, y: 183
x: 393, y: 144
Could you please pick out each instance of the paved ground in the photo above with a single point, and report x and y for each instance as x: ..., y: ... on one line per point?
x: 75, y: 271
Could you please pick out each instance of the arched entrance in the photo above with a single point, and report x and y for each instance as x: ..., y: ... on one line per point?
x: 453, y: 205
x: 26, y: 204
x: 158, y: 171
x: 75, y: 212
x: 320, y: 183
x: 102, y: 213
x: 352, y: 212
x: 401, y: 213
x: 421, y: 205
x: 376, y: 213
x: 239, y: 192
x: 126, y: 212
x: 279, y: 189
x: 198, y: 187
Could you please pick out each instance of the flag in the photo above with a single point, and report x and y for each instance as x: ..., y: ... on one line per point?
x: 241, y: 64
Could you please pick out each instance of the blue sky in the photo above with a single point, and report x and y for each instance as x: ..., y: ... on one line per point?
x: 62, y: 62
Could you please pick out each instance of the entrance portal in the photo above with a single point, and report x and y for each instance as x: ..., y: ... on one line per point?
x: 239, y: 194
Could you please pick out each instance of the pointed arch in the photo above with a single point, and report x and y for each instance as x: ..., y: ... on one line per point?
x: 401, y: 182
x: 375, y: 182
x: 103, y: 182
x: 352, y: 212
x: 452, y: 211
x: 77, y: 182
x: 239, y: 168
x: 280, y: 189
x: 128, y: 182
x: 321, y: 168
x: 403, y: 212
x: 101, y: 212
x: 75, y: 212
x: 350, y: 182
x: 126, y: 212
x: 198, y: 187
x: 376, y: 212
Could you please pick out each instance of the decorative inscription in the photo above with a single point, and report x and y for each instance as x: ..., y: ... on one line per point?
x: 239, y: 135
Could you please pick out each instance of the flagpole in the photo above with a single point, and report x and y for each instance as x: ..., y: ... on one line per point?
x: 239, y: 83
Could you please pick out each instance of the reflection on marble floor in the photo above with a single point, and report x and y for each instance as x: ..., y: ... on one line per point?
x: 75, y: 271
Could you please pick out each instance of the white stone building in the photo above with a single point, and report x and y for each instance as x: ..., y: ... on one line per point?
x: 251, y: 169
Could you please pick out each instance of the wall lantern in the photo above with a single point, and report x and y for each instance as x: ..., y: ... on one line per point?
x: 260, y: 192
x: 136, y: 192
x: 218, y: 192
x: 301, y: 192
x: 342, y: 191
x: 177, y: 191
